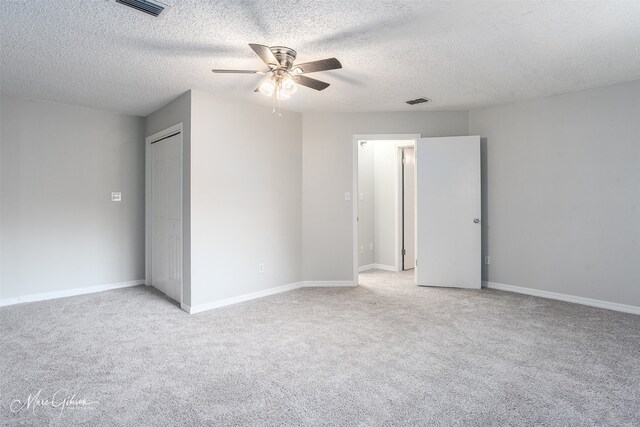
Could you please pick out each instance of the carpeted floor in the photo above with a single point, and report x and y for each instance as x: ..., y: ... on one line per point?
x: 384, y: 353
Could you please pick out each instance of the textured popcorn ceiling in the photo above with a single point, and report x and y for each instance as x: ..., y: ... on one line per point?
x: 462, y: 55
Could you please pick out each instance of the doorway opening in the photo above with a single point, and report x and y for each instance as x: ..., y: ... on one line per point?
x: 384, y: 207
x: 446, y: 197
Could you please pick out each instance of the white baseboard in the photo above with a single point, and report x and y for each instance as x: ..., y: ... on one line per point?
x: 68, y: 292
x: 366, y: 267
x: 377, y: 266
x: 264, y: 293
x: 241, y: 298
x: 386, y: 267
x: 185, y: 307
x: 564, y: 297
x: 328, y: 284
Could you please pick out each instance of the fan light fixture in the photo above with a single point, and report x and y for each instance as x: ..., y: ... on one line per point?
x: 283, y: 76
x: 279, y: 85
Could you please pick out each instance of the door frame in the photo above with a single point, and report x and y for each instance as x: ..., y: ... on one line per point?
x: 178, y: 130
x: 354, y: 191
x: 400, y: 207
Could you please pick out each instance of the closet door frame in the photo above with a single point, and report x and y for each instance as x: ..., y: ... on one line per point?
x: 152, y: 139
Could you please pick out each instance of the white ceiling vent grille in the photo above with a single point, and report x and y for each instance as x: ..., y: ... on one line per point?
x: 151, y: 8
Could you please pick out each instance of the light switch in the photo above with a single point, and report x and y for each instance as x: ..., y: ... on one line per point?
x: 116, y: 196
x: 347, y: 196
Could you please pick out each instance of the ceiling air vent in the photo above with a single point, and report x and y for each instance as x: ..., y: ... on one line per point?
x: 418, y: 101
x: 152, y: 8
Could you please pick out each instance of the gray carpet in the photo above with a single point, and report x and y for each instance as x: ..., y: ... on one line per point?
x: 384, y: 353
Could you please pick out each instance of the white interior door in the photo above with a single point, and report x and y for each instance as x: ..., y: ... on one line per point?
x: 166, y: 216
x: 448, y: 249
x: 408, y: 209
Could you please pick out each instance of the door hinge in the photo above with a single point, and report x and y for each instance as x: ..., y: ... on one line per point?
x: 416, y: 262
x: 404, y: 252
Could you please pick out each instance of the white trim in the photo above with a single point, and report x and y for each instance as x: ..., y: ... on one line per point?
x: 147, y: 239
x: 185, y: 307
x: 354, y: 207
x: 329, y: 284
x: 68, y: 293
x: 378, y: 266
x: 354, y: 187
x: 386, y: 267
x: 563, y: 297
x: 264, y: 293
x: 399, y: 219
x: 241, y: 298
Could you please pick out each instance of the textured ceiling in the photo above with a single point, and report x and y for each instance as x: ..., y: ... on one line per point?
x: 462, y: 55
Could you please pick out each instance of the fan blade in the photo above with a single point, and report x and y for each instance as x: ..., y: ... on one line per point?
x: 322, y: 65
x: 237, y: 71
x: 265, y: 54
x: 312, y: 83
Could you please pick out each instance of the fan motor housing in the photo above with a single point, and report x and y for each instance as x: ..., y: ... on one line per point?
x: 285, y: 56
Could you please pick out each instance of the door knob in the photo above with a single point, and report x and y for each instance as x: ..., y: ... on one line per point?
x: 476, y: 220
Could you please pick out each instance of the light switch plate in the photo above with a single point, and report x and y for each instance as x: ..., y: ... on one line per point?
x: 347, y: 196
x: 116, y: 196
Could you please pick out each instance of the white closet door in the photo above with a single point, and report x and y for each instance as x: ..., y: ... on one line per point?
x: 448, y: 249
x: 166, y: 216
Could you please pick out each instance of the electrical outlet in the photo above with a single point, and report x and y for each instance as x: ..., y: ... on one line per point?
x: 116, y: 196
x: 487, y: 260
x: 370, y: 246
x: 260, y: 268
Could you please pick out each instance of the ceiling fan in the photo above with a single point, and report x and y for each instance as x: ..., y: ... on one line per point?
x: 283, y: 75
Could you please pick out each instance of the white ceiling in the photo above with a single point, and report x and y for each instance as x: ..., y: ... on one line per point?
x: 462, y: 55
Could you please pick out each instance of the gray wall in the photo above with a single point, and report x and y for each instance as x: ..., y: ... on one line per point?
x: 59, y: 228
x: 366, y: 212
x: 387, y: 198
x: 327, y: 173
x: 179, y: 111
x: 562, y: 193
x: 246, y: 198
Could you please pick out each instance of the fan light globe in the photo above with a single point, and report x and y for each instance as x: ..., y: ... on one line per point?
x: 282, y: 92
x: 289, y: 85
x: 267, y: 87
